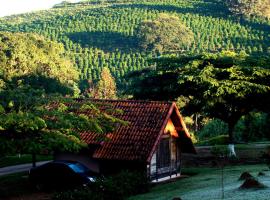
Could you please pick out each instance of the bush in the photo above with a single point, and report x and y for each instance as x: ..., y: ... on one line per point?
x: 220, y: 151
x: 124, y: 185
x: 213, y: 128
x: 217, y: 140
x: 76, y: 194
x: 252, y: 127
x: 117, y: 187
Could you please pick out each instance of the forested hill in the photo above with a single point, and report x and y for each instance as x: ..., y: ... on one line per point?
x: 102, y: 33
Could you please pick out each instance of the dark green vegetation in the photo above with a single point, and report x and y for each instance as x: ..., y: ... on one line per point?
x: 35, y: 117
x: 14, y: 185
x: 102, y: 33
x: 224, y: 85
x: 99, y: 34
x: 251, y: 127
x: 21, y: 159
x: 30, y: 59
x: 116, y: 187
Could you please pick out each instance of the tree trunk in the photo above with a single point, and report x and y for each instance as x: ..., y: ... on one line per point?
x: 231, y: 140
x: 230, y: 127
x: 196, y: 123
x: 34, y: 160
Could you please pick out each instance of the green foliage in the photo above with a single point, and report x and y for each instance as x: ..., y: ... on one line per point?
x: 106, y: 87
x: 98, y: 35
x: 34, y: 117
x: 48, y: 127
x: 250, y: 7
x: 253, y: 127
x: 117, y: 187
x: 124, y: 184
x: 22, y: 159
x: 27, y: 58
x: 21, y: 123
x: 166, y: 33
x: 223, y: 85
x: 15, y: 185
x: 213, y: 128
x: 77, y: 194
x: 216, y: 140
x: 220, y: 150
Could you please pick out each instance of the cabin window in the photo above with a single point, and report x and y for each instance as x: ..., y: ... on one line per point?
x: 164, y: 154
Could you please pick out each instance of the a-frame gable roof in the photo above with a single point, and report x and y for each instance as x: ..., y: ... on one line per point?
x: 138, y: 140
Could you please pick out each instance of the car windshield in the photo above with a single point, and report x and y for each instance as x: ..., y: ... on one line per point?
x: 78, y: 168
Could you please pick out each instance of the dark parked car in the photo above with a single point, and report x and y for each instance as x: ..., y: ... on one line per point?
x: 61, y: 175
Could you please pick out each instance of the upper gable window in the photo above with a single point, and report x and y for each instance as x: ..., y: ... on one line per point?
x: 170, y: 129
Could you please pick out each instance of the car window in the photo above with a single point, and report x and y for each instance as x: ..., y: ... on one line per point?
x: 78, y: 168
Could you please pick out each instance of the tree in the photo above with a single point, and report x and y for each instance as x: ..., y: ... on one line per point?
x: 46, y: 123
x: 224, y: 85
x: 34, y: 115
x: 106, y: 87
x: 25, y: 55
x: 166, y: 33
x: 250, y: 7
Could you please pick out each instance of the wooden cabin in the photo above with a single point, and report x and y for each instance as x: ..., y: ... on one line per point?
x: 152, y: 141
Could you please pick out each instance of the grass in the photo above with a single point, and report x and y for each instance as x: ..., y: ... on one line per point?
x: 22, y: 159
x: 203, y: 184
x: 206, y: 184
x: 14, y: 185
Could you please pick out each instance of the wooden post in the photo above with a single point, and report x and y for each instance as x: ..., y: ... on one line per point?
x: 222, y: 160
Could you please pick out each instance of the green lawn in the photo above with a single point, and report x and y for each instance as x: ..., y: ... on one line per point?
x: 22, y: 159
x: 207, y: 185
x: 14, y: 185
x: 204, y: 185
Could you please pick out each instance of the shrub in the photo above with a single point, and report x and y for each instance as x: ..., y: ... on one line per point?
x: 213, y: 128
x: 217, y: 140
x: 76, y: 194
x: 117, y: 187
x: 252, y: 127
x: 220, y: 150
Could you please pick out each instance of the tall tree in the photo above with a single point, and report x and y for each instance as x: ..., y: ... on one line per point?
x: 33, y: 59
x: 105, y: 87
x: 250, y: 7
x: 166, y: 33
x: 224, y: 85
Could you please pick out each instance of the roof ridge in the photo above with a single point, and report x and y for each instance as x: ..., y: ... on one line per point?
x: 128, y: 100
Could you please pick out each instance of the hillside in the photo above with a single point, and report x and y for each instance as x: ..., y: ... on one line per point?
x: 97, y: 34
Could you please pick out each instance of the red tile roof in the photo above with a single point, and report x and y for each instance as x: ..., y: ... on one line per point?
x: 138, y: 139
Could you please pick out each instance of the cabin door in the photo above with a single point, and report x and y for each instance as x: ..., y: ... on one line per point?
x: 164, y: 155
x: 167, y: 157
